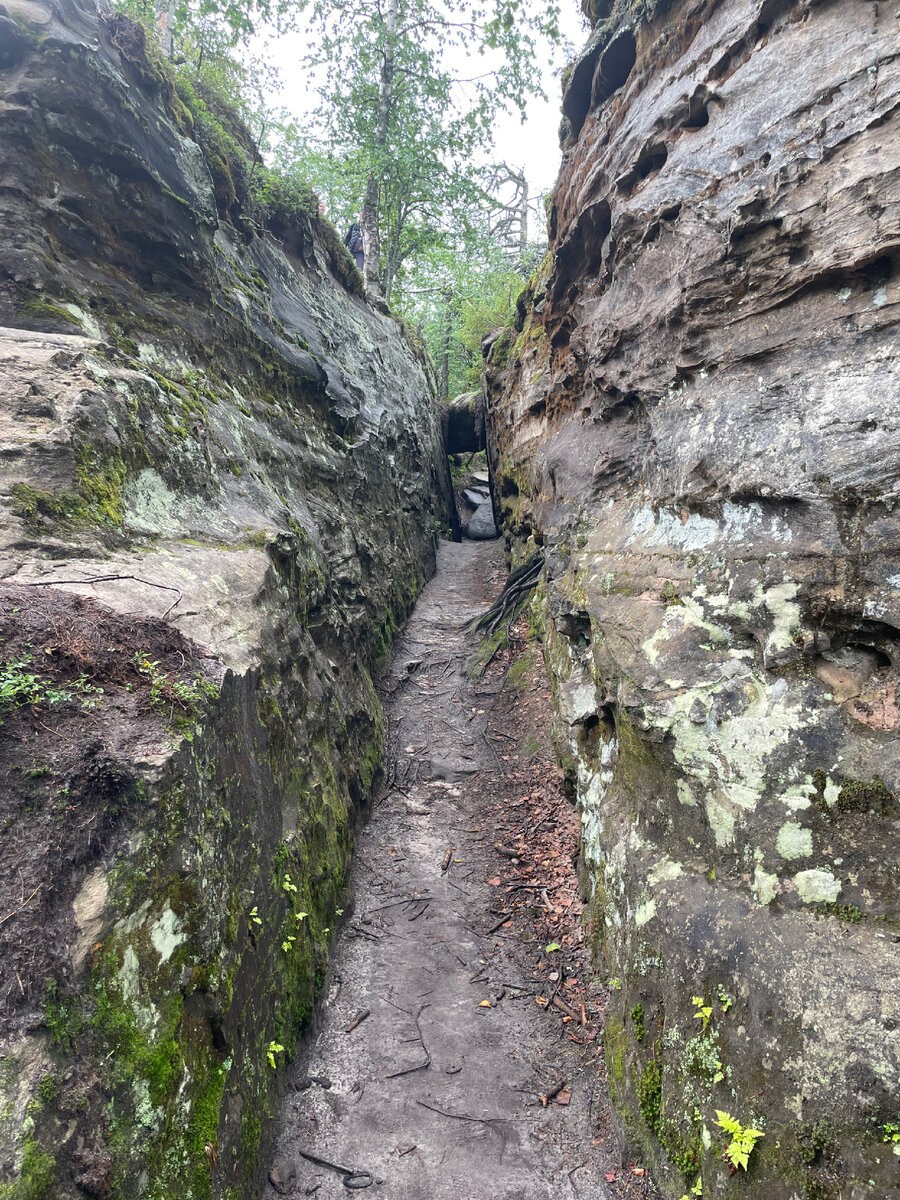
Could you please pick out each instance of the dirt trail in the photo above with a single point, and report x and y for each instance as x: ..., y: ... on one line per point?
x: 435, y: 1093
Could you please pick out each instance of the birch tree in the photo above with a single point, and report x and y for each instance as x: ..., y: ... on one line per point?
x: 411, y: 88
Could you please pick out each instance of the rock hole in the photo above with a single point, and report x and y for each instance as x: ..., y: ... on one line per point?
x: 575, y: 627
x: 880, y: 660
x: 698, y: 111
x: 878, y: 271
x: 577, y: 100
x: 650, y: 160
x: 798, y: 255
x: 615, y: 65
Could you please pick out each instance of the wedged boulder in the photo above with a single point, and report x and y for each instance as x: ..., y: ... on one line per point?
x: 476, y: 496
x: 696, y: 418
x: 220, y: 476
x: 463, y: 419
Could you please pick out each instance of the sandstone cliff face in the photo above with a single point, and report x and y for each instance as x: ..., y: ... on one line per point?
x: 196, y: 413
x: 696, y: 416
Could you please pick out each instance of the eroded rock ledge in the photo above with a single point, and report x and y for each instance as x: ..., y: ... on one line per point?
x: 696, y: 416
x: 202, y: 409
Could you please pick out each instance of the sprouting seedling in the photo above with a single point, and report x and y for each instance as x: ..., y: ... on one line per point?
x: 738, y: 1150
x: 254, y: 916
x: 892, y: 1137
x: 704, y: 1011
x: 288, y: 884
x: 288, y: 942
x: 300, y: 915
x: 725, y: 1000
x: 274, y: 1048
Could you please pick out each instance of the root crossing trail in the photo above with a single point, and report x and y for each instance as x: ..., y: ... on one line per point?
x: 431, y: 1055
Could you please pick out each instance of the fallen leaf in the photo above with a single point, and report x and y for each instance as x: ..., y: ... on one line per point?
x: 494, y: 882
x: 542, y: 1001
x: 485, y: 1004
x: 639, y: 1171
x: 611, y: 1177
x: 564, y: 1097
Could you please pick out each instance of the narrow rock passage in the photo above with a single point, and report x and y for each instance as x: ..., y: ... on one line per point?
x: 433, y: 1092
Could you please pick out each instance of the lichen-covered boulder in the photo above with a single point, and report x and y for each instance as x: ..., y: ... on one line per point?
x: 695, y: 416
x: 220, y: 479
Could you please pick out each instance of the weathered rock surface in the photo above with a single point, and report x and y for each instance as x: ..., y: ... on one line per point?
x: 696, y: 415
x: 481, y: 523
x: 195, y: 410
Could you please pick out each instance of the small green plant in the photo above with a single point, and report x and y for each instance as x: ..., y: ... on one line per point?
x: 704, y: 1011
x: 696, y: 1190
x: 91, y: 695
x: 254, y: 916
x: 288, y: 942
x: 274, y: 1048
x: 188, y: 696
x: 288, y: 885
x: 20, y: 687
x: 737, y: 1152
x: 300, y: 915
x: 615, y: 984
x: 892, y: 1137
x: 725, y: 1000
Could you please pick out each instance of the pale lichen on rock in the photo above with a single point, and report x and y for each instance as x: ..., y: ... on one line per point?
x: 706, y: 375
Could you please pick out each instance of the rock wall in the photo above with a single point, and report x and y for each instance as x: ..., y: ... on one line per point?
x: 221, y: 478
x: 695, y: 415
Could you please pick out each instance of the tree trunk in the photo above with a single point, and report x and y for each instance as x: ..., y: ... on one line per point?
x: 165, y: 23
x: 392, y: 264
x: 448, y: 333
x: 523, y: 219
x: 371, y: 239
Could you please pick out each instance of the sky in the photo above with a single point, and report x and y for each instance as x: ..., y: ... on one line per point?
x: 533, y: 146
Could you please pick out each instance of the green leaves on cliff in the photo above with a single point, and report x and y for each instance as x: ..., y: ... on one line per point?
x: 739, y: 1149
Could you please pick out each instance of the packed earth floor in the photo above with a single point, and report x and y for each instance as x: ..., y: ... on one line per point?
x: 458, y: 1050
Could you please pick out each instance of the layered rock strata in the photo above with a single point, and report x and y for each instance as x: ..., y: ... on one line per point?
x: 695, y: 415
x: 229, y: 471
